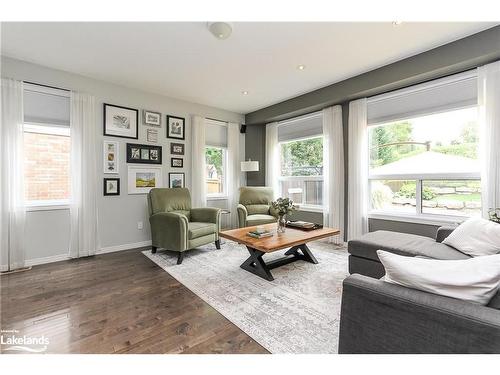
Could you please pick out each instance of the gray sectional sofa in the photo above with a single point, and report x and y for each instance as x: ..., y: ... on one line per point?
x: 378, y: 317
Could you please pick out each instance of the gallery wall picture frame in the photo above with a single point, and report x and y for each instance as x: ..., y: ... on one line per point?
x: 176, y: 180
x: 144, y: 154
x: 111, y: 157
x: 177, y: 148
x: 121, y: 121
x: 111, y: 186
x: 176, y: 127
x: 177, y: 162
x: 141, y: 179
x: 151, y: 118
x: 152, y: 135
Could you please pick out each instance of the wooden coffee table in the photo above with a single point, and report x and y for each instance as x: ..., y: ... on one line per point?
x: 294, y: 239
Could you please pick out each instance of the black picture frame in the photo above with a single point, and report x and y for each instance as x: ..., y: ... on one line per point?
x: 181, y: 160
x: 105, y: 185
x: 171, y: 177
x: 136, y: 153
x: 174, y: 145
x: 170, y: 133
x: 107, y: 132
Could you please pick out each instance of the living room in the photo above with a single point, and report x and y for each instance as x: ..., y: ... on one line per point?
x: 247, y: 187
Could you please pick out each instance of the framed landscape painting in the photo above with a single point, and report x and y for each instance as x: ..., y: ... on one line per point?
x: 142, y: 179
x: 176, y: 127
x: 176, y: 180
x: 120, y: 121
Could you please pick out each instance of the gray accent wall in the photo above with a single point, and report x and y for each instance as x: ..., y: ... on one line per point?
x: 47, y: 232
x: 458, y: 56
x: 255, y: 149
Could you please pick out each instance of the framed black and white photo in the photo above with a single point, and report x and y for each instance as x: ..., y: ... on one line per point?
x: 110, y: 157
x: 142, y: 179
x: 121, y: 121
x: 175, y: 127
x: 143, y: 154
x: 177, y: 148
x: 151, y: 118
x: 177, y: 162
x: 152, y: 135
x: 111, y: 186
x: 176, y: 180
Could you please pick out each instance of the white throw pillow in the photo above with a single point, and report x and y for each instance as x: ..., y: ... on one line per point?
x: 475, y: 280
x: 476, y: 237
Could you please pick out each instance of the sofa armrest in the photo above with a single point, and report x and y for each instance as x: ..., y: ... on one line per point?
x: 169, y: 230
x: 379, y: 317
x: 443, y: 232
x: 206, y: 215
x: 242, y: 215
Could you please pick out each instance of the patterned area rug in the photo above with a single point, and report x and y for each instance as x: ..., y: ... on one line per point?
x: 298, y: 312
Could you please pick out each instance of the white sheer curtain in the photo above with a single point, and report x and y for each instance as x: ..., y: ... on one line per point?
x: 272, y: 157
x: 13, y: 212
x: 333, y: 171
x: 198, y: 184
x: 489, y: 118
x: 84, y: 178
x: 233, y: 170
x: 357, y: 204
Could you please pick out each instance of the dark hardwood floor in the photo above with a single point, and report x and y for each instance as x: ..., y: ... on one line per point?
x: 115, y: 303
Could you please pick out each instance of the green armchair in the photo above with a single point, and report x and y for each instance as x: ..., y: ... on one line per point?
x: 254, y: 207
x: 178, y: 227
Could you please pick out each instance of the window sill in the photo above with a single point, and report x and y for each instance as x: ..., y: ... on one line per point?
x: 217, y: 198
x: 48, y: 207
x: 437, y: 220
x: 318, y: 209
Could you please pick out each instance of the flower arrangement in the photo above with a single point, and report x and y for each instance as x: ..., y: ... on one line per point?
x: 283, y: 206
x: 494, y: 214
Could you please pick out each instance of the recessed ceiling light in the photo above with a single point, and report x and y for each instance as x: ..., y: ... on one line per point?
x: 244, y: 92
x: 397, y: 23
x: 301, y: 67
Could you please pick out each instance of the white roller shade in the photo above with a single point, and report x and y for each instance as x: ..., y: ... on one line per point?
x: 44, y: 105
x: 216, y: 133
x: 300, y: 127
x: 449, y: 93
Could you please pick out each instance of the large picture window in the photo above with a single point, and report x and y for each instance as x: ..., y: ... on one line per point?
x: 301, y: 171
x: 427, y: 164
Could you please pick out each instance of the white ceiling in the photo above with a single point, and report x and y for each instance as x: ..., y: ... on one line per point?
x: 183, y: 60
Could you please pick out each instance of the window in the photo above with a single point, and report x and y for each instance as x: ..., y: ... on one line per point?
x: 301, y: 166
x: 215, y: 158
x: 46, y: 146
x: 426, y: 164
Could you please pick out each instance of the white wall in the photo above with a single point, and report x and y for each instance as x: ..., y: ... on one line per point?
x: 48, y: 231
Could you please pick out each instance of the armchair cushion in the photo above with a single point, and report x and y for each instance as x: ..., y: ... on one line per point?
x: 258, y: 209
x: 199, y: 229
x: 170, y: 200
x: 253, y: 220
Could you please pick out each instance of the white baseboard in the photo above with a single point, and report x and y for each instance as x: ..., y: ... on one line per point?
x: 60, y: 257
x: 112, y: 249
x: 45, y: 260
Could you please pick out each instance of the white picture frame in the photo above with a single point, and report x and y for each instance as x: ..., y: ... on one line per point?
x: 111, y: 157
x: 152, y: 135
x: 142, y: 179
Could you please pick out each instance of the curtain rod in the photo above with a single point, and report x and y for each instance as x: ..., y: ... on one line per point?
x: 48, y: 86
x: 214, y: 119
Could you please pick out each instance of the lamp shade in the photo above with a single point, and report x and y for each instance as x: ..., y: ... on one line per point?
x: 249, y: 166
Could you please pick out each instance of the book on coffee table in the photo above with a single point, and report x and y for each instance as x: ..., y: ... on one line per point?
x: 259, y: 234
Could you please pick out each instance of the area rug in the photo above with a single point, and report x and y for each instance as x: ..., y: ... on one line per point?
x: 298, y: 312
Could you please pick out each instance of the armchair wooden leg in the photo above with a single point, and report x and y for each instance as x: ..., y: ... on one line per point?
x: 153, y: 249
x: 217, y: 244
x: 180, y: 258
